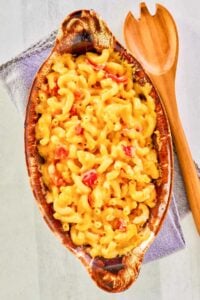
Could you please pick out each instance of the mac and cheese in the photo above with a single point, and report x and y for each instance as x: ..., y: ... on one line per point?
x: 94, y: 133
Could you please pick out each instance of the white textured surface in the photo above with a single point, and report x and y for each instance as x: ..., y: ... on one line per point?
x: 33, y: 270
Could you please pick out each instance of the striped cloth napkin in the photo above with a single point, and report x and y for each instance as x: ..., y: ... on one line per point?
x: 17, y: 76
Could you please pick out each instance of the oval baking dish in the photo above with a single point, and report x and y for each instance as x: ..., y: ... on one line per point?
x: 85, y: 36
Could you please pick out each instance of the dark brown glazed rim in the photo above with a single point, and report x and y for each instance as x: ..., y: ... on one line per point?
x: 82, y: 31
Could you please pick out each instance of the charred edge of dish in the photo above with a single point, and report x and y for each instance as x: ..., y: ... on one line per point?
x: 105, y: 280
x: 163, y: 146
x: 75, y: 41
x: 113, y: 265
x: 123, y: 278
x: 82, y: 44
x: 162, y: 127
x: 114, y: 283
x: 32, y: 159
x: 85, y: 33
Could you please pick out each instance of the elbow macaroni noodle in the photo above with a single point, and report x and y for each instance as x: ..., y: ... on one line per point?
x: 94, y: 132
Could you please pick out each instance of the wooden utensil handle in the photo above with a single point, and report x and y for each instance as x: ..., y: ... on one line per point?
x: 165, y: 86
x: 191, y: 180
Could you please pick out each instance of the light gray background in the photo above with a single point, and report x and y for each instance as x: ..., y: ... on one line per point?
x: 33, y: 264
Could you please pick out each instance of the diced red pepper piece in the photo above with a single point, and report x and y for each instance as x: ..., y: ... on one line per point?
x: 54, y: 91
x: 116, y: 78
x: 79, y: 130
x: 90, y: 200
x: 61, y: 152
x: 73, y: 111
x: 58, y: 181
x: 128, y: 150
x: 119, y: 224
x: 90, y: 178
x: 95, y: 66
x: 78, y: 94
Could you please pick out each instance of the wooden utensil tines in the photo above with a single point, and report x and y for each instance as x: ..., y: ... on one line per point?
x: 153, y: 40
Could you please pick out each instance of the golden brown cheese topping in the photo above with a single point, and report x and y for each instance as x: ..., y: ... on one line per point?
x: 94, y: 133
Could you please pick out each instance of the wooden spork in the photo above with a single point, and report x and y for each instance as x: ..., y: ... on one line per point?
x: 153, y: 40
